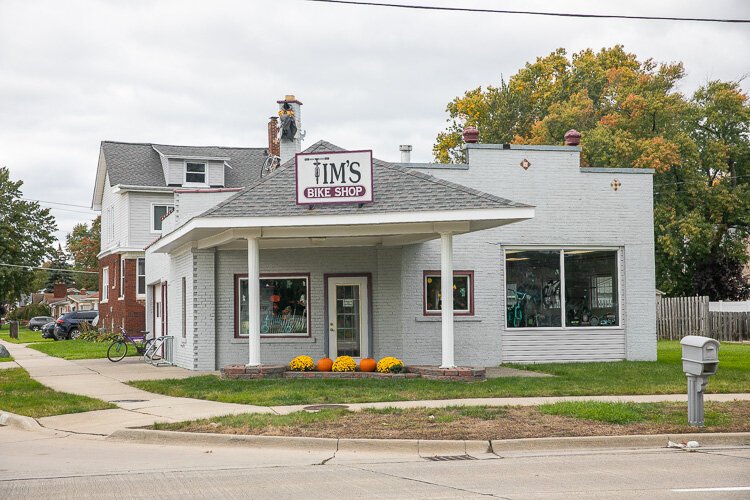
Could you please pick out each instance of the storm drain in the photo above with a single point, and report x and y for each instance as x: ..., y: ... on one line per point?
x: 449, y: 458
x: 325, y: 407
x: 129, y: 400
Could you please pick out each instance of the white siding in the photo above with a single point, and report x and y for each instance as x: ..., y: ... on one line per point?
x: 114, y: 218
x: 188, y: 205
x: 176, y: 172
x: 140, y: 216
x: 216, y: 173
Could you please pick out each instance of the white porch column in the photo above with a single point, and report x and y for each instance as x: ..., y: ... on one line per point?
x: 253, y: 301
x: 446, y: 291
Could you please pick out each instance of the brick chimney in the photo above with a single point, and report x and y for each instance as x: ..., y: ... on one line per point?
x: 290, y: 112
x: 273, y: 136
x: 60, y: 290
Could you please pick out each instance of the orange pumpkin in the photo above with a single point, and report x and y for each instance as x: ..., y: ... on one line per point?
x: 367, y: 365
x: 325, y: 364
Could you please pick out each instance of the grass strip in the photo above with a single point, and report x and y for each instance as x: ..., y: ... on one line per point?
x: 480, y: 422
x: 77, y: 349
x: 25, y: 335
x: 24, y: 396
x: 663, y: 376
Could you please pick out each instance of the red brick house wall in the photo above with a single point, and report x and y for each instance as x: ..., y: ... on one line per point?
x: 127, y: 311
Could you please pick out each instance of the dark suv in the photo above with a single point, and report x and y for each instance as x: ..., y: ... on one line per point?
x: 69, y: 324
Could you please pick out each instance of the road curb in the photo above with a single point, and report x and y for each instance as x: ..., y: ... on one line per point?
x: 21, y: 422
x: 425, y: 447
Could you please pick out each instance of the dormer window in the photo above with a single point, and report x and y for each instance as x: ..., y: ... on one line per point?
x: 195, y: 173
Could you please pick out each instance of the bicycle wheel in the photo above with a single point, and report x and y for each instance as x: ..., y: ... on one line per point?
x: 117, y: 350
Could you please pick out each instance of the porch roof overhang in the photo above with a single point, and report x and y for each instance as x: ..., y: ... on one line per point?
x: 336, y: 230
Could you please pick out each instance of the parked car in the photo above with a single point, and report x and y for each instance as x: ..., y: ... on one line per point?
x: 68, y: 326
x: 36, y: 323
x: 48, y: 330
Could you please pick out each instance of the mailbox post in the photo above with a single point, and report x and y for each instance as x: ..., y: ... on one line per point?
x: 700, y: 360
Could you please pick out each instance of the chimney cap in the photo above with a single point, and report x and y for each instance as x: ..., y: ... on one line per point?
x: 405, y: 147
x: 471, y: 135
x: 572, y: 137
x: 290, y: 99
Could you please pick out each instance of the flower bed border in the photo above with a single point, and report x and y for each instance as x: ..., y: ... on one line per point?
x: 460, y: 374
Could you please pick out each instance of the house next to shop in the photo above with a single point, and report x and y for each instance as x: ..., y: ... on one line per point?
x: 551, y: 261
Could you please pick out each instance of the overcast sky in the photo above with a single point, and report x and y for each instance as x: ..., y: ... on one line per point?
x: 75, y: 73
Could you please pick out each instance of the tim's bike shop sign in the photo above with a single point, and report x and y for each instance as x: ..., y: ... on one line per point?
x: 341, y: 177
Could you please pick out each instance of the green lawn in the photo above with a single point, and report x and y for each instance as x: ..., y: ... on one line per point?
x: 5, y: 360
x: 630, y: 413
x: 664, y: 376
x: 24, y: 335
x: 77, y: 349
x: 24, y: 396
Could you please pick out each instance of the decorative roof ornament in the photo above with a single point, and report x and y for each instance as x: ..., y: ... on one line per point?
x: 470, y: 135
x: 288, y: 122
x: 572, y: 137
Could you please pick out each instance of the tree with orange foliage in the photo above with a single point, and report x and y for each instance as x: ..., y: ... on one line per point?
x: 632, y: 115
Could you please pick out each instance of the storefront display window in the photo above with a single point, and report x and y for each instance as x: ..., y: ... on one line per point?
x: 591, y: 288
x: 562, y: 288
x: 463, y: 293
x: 283, y: 306
x: 533, y: 288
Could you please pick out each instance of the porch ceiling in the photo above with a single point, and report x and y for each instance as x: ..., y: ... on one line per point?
x: 335, y: 231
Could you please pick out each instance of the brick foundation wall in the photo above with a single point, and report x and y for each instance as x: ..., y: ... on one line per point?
x: 128, y: 311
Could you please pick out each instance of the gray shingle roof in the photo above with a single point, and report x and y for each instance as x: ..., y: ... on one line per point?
x: 396, y: 189
x: 138, y: 164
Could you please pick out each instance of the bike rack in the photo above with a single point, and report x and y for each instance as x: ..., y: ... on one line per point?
x: 160, y: 353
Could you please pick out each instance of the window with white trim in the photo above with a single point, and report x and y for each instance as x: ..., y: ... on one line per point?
x: 141, y: 276
x: 122, y: 276
x: 196, y: 173
x: 283, y: 306
x: 158, y: 212
x: 566, y: 288
x: 105, y: 284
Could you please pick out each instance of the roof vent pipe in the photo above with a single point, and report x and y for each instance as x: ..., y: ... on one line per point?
x: 405, y: 153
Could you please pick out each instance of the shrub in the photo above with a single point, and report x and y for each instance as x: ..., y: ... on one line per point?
x: 344, y: 364
x: 390, y: 365
x: 25, y: 313
x: 301, y: 364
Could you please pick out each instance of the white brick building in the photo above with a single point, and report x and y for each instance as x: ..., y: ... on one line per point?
x: 563, y: 272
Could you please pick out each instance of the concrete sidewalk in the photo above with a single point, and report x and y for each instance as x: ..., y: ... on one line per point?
x: 102, y: 379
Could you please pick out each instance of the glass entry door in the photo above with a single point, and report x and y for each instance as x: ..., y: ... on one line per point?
x: 348, y: 317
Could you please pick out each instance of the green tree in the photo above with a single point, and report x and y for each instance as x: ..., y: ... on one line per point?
x: 83, y: 244
x: 26, y: 236
x: 58, y: 270
x: 631, y: 115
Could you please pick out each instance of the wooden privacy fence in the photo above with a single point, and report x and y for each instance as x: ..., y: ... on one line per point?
x: 680, y: 316
x: 730, y: 326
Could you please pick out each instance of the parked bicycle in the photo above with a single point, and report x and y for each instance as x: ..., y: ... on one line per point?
x: 119, y: 347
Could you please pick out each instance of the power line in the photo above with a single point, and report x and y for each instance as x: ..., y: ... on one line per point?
x: 57, y: 203
x: 532, y: 13
x: 49, y: 269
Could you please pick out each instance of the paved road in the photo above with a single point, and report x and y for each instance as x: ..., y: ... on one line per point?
x: 47, y: 465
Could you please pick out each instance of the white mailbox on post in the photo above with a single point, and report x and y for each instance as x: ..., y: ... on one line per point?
x: 700, y: 355
x: 700, y: 360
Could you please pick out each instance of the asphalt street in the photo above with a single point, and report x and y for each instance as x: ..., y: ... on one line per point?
x: 48, y: 465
